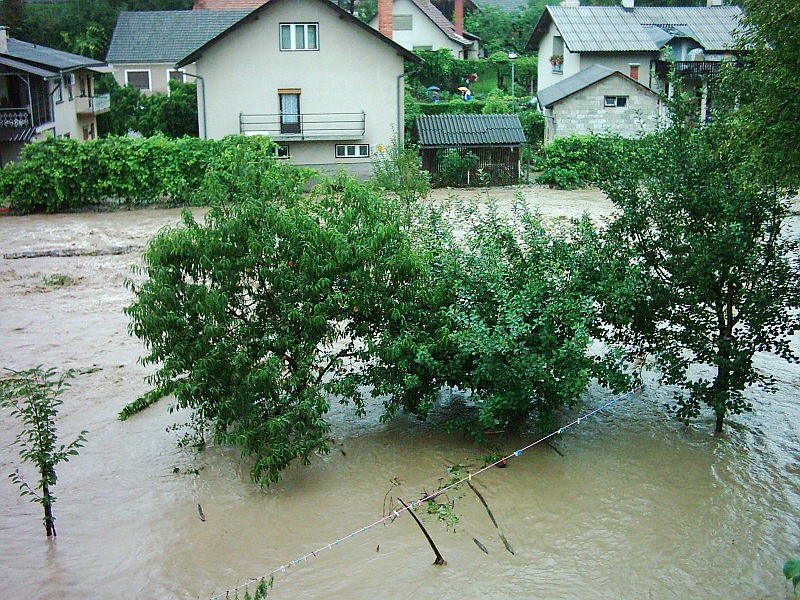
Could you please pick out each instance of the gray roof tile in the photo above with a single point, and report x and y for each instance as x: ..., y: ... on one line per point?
x: 575, y: 83
x: 445, y: 131
x: 47, y: 57
x: 166, y: 36
x: 614, y: 29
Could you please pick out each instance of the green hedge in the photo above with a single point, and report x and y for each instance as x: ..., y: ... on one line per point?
x: 62, y: 174
x: 580, y: 160
x: 457, y: 106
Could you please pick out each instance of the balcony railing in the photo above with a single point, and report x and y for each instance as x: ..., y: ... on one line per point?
x: 92, y: 105
x: 688, y: 68
x: 306, y: 126
x: 15, y: 117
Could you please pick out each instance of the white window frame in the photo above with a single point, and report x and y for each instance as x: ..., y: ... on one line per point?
x: 352, y: 151
x: 169, y: 76
x: 149, y: 87
x: 293, y: 28
x: 282, y: 151
x: 613, y: 101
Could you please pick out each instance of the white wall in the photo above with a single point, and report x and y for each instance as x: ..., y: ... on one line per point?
x: 159, y: 82
x: 353, y: 71
x: 424, y: 32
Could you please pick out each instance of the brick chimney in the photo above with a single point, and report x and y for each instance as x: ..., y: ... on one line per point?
x: 385, y: 17
x: 3, y: 39
x: 628, y: 4
x: 458, y: 16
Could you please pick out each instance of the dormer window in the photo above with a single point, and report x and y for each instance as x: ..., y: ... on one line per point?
x: 299, y: 36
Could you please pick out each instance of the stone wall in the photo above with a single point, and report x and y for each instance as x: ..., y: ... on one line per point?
x: 585, y: 111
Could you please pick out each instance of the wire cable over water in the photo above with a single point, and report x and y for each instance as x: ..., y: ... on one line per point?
x: 397, y: 512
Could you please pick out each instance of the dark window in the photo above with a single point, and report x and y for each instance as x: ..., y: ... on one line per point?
x: 299, y: 36
x: 615, y: 101
x: 138, y: 79
x: 352, y: 150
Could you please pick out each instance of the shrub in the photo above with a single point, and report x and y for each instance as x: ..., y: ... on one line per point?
x: 62, y: 174
x: 453, y: 167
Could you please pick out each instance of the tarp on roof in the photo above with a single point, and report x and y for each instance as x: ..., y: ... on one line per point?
x: 166, y: 35
x: 448, y: 131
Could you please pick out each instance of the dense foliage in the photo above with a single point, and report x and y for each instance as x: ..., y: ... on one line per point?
x: 698, y: 272
x: 173, y: 115
x: 62, y: 174
x: 281, y: 301
x: 33, y: 397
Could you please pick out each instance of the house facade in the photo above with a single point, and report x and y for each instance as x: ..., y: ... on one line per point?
x: 287, y: 70
x: 420, y: 25
x: 637, y: 42
x: 145, y: 45
x: 45, y: 92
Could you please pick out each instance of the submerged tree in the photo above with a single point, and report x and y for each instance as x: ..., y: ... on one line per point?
x: 698, y: 273
x: 33, y: 396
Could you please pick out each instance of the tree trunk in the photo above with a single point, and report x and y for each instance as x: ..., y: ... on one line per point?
x: 49, y: 521
x: 720, y: 420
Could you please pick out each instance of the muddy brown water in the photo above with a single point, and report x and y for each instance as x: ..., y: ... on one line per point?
x: 638, y: 506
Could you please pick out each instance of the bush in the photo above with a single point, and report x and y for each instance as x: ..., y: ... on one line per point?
x: 581, y: 160
x: 62, y: 174
x: 453, y: 167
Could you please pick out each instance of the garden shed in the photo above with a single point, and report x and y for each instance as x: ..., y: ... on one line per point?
x: 487, y: 144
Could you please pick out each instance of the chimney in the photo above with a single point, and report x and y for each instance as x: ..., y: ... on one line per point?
x: 711, y: 3
x: 628, y: 4
x: 3, y: 39
x: 458, y: 16
x: 385, y: 17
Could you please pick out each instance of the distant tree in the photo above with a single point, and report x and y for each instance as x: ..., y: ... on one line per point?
x: 33, y: 396
x: 698, y: 273
x: 504, y: 31
x: 764, y: 89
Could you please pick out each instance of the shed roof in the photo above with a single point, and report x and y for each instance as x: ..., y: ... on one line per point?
x: 46, y: 58
x: 446, y: 131
x: 581, y: 80
x: 615, y: 29
x: 166, y: 35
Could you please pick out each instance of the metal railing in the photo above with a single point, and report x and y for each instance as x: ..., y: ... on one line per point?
x: 15, y: 117
x: 688, y: 68
x: 93, y: 104
x: 305, y: 126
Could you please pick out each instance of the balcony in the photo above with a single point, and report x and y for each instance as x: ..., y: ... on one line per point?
x: 691, y: 69
x: 92, y: 105
x: 15, y: 117
x: 306, y: 126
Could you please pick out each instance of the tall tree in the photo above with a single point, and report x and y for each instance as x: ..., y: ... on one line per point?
x: 698, y: 272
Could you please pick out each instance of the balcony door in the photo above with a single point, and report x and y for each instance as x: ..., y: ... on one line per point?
x: 290, y: 110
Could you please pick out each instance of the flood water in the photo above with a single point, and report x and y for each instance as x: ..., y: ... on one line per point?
x: 638, y: 506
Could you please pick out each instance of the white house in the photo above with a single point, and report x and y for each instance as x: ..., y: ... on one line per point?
x: 146, y: 45
x: 637, y: 42
x: 323, y: 85
x: 45, y: 92
x: 419, y: 25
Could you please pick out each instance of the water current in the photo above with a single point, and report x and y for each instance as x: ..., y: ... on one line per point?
x: 635, y: 505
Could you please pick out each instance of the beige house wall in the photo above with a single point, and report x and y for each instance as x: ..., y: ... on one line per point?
x: 584, y: 112
x: 423, y: 32
x: 353, y: 71
x: 622, y: 63
x: 68, y: 121
x: 159, y: 74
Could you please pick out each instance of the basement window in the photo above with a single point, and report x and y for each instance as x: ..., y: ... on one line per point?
x: 352, y: 150
x: 281, y: 151
x: 615, y: 101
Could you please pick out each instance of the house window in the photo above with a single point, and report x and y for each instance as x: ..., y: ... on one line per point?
x: 299, y: 36
x: 175, y: 75
x: 69, y: 81
x: 557, y: 57
x: 290, y: 110
x: 138, y: 79
x: 88, y: 132
x: 633, y: 70
x: 58, y: 93
x: 615, y: 101
x: 282, y: 151
x: 352, y: 150
x: 402, y: 23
